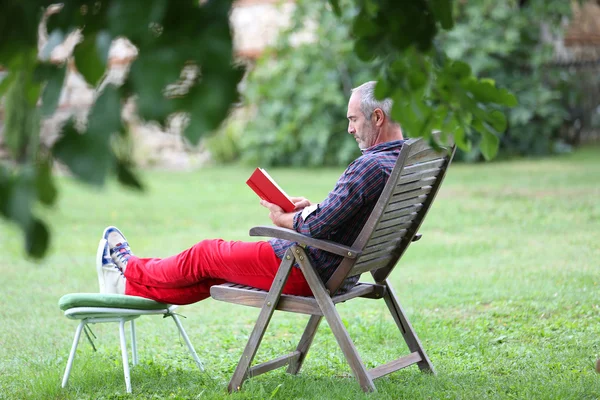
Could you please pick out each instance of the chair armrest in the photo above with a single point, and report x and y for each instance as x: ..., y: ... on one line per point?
x: 293, y: 236
x: 417, y: 237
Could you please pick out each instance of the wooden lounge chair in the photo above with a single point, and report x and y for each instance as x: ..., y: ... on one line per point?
x: 391, y: 227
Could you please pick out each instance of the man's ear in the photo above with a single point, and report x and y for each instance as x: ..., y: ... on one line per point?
x: 379, y: 117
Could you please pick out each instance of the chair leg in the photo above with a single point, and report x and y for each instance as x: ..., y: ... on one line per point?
x: 266, y: 312
x: 335, y: 323
x: 411, y: 338
x: 124, y: 355
x: 187, y: 342
x: 134, y: 355
x: 73, y: 351
x: 305, y: 343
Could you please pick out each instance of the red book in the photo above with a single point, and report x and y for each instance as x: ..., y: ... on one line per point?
x: 267, y: 189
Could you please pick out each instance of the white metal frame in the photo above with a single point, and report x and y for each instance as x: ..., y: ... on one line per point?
x: 97, y: 315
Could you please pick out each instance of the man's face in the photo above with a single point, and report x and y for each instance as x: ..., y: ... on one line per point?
x: 359, y: 126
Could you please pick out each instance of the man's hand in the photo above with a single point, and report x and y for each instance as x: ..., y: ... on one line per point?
x: 300, y: 202
x: 278, y: 216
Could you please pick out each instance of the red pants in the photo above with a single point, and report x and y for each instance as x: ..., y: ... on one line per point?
x: 187, y: 277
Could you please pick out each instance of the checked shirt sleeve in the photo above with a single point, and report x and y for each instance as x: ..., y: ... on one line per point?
x: 361, y: 183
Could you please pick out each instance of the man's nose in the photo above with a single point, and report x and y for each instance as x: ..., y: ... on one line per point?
x: 351, y: 129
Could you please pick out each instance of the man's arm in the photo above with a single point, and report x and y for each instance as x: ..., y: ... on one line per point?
x: 361, y: 183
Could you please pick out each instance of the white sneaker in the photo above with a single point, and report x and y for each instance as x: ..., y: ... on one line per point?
x: 110, y: 277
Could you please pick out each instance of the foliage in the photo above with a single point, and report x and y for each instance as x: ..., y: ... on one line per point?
x: 430, y: 91
x: 169, y: 36
x: 395, y: 38
x: 504, y: 302
x: 298, y: 93
x: 502, y: 41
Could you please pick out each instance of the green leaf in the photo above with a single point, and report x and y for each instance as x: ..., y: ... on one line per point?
x: 382, y: 89
x: 21, y: 124
x: 149, y: 76
x: 5, y: 186
x: 459, y: 133
x: 412, y: 114
x: 105, y: 115
x: 126, y: 176
x: 90, y: 60
x: 371, y: 7
x: 22, y: 67
x: 54, y: 77
x: 86, y: 155
x: 460, y: 70
x: 489, y: 145
x: 442, y: 9
x: 89, y: 155
x: 46, y: 190
x: 208, y: 103
x: 497, y: 120
x: 364, y: 50
x: 484, y: 91
x: 6, y: 81
x: 417, y: 79
x: 364, y: 26
x: 335, y: 4
x: 37, y: 239
x: 508, y: 99
x: 21, y: 196
x: 139, y: 17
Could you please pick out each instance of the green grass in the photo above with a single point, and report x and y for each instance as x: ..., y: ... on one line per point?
x: 503, y: 291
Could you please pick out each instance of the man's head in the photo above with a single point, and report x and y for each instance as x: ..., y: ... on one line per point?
x: 369, y: 119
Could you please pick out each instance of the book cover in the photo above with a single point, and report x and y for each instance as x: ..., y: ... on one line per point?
x: 267, y: 189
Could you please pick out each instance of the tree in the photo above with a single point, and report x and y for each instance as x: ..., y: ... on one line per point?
x: 430, y: 90
x: 297, y: 92
x: 170, y: 35
x: 506, y: 46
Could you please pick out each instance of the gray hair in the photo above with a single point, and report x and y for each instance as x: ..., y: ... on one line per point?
x: 368, y: 102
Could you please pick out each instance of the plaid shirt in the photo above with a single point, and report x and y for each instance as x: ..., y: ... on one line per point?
x: 344, y: 212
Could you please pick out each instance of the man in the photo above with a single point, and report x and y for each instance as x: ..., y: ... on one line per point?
x: 187, y: 277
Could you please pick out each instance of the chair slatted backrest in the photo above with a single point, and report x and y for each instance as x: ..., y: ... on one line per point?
x: 399, y: 212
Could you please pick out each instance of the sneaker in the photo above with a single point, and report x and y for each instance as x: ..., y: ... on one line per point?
x: 118, y: 247
x: 110, y: 277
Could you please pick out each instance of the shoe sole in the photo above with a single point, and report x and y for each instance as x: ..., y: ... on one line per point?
x: 99, y: 258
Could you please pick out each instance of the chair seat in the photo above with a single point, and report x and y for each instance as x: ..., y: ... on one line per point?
x: 105, y: 300
x: 250, y: 296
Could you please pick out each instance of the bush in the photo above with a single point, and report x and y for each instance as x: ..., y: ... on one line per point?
x: 299, y: 93
x: 296, y: 95
x: 502, y: 41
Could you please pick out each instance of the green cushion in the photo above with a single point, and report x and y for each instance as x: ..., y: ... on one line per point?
x: 72, y: 300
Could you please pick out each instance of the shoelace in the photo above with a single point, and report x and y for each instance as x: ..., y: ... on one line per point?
x: 123, y: 252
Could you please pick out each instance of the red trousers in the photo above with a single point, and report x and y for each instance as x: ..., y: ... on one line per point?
x: 186, y: 278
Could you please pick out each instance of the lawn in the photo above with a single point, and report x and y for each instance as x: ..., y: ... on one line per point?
x: 503, y: 291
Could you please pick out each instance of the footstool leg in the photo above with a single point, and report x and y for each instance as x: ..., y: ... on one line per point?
x: 134, y: 354
x: 187, y: 341
x: 124, y: 354
x: 72, y: 353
